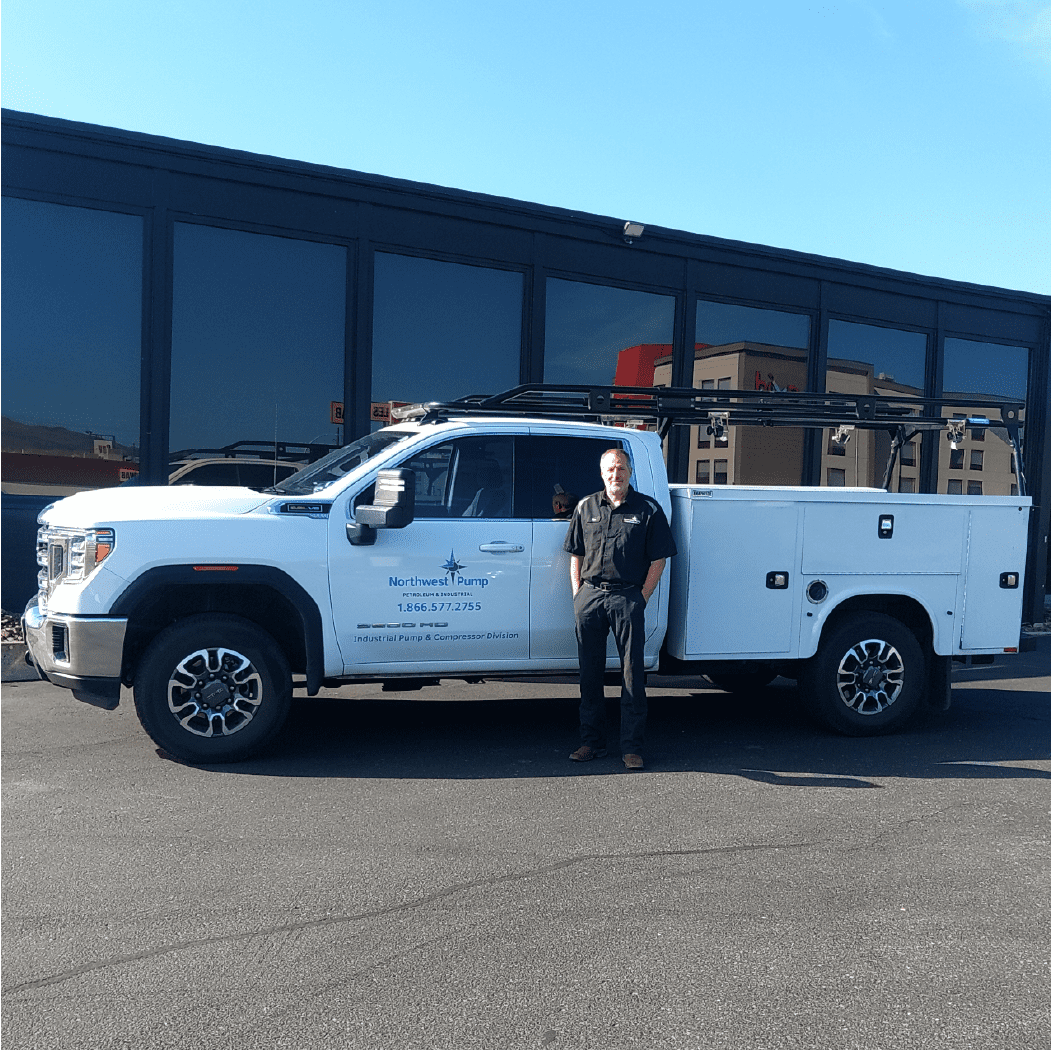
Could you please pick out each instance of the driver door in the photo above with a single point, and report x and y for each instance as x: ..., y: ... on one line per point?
x: 451, y: 590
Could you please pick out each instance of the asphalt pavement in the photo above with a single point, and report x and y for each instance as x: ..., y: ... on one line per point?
x: 429, y: 870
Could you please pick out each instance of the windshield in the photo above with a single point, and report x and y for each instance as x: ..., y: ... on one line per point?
x: 338, y: 462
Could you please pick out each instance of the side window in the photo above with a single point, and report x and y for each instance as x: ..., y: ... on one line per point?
x: 555, y: 473
x: 432, y: 479
x: 464, y: 478
x: 482, y: 478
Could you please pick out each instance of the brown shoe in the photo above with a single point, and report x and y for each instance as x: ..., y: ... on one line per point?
x: 633, y: 761
x: 585, y: 753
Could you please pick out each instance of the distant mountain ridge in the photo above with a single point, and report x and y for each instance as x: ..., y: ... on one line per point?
x: 40, y: 438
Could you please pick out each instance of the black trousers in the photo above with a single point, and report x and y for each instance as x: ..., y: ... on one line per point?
x: 597, y: 614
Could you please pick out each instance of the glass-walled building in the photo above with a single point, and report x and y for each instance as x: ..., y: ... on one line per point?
x: 162, y: 298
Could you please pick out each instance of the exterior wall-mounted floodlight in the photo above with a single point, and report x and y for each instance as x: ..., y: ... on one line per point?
x: 631, y: 231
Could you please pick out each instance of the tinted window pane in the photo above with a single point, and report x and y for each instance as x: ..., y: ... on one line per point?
x: 988, y: 369
x: 748, y: 348
x: 464, y: 478
x: 981, y: 371
x: 555, y: 473
x: 868, y: 359
x: 602, y: 335
x: 443, y: 330
x: 72, y: 336
x: 879, y: 356
x: 257, y: 338
x: 719, y: 323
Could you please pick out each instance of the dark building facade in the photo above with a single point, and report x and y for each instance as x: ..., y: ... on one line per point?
x: 163, y: 296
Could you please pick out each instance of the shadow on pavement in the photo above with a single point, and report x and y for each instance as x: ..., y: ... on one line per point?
x: 988, y: 733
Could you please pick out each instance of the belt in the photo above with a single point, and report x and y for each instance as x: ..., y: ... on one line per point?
x: 609, y: 585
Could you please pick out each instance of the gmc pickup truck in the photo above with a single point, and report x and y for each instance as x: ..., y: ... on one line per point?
x: 432, y: 549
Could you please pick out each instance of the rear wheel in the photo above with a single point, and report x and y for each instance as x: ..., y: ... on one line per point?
x: 868, y: 676
x: 213, y: 688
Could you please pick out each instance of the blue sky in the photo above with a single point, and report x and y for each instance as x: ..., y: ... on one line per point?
x: 911, y: 134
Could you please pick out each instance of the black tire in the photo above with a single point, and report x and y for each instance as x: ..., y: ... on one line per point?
x: 867, y: 677
x: 742, y: 682
x: 213, y: 688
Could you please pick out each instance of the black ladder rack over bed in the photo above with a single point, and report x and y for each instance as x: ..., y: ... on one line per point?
x: 902, y: 416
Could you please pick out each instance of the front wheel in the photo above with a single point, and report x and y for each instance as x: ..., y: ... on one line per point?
x: 213, y: 688
x: 868, y: 676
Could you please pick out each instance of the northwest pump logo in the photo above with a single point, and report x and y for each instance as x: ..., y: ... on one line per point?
x: 452, y: 578
x: 452, y: 567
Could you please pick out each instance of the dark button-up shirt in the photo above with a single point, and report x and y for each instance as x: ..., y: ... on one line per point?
x: 617, y: 544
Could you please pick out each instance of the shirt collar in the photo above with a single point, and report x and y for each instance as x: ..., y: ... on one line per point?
x: 628, y: 497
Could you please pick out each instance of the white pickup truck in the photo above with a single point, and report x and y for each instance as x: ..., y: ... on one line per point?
x: 433, y: 549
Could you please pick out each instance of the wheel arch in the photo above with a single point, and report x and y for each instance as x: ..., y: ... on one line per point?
x: 902, y: 607
x: 264, y: 595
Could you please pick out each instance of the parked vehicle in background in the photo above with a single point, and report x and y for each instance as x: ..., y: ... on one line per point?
x: 250, y: 473
x: 252, y: 464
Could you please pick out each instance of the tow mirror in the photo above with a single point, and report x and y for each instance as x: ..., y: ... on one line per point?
x: 394, y: 507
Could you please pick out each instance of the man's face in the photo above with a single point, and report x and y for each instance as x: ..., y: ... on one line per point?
x: 615, y: 473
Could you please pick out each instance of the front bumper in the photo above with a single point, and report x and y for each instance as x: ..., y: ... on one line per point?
x: 82, y: 654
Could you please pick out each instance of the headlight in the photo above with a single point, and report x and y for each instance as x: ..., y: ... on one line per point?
x: 71, y: 554
x: 88, y: 550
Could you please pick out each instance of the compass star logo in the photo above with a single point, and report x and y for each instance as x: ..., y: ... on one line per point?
x: 452, y: 567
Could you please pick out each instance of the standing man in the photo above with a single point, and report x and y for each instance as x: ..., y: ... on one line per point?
x: 618, y: 542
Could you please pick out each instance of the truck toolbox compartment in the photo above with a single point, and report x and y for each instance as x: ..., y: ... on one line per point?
x: 846, y: 537
x: 734, y: 582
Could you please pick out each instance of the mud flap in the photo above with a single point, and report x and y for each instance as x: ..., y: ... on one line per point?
x: 939, y: 683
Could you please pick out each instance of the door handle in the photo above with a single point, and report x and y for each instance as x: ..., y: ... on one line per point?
x: 500, y: 547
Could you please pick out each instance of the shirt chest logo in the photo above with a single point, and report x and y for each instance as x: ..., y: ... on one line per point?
x: 632, y: 520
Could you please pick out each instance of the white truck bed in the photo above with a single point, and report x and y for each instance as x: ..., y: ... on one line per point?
x: 732, y: 539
